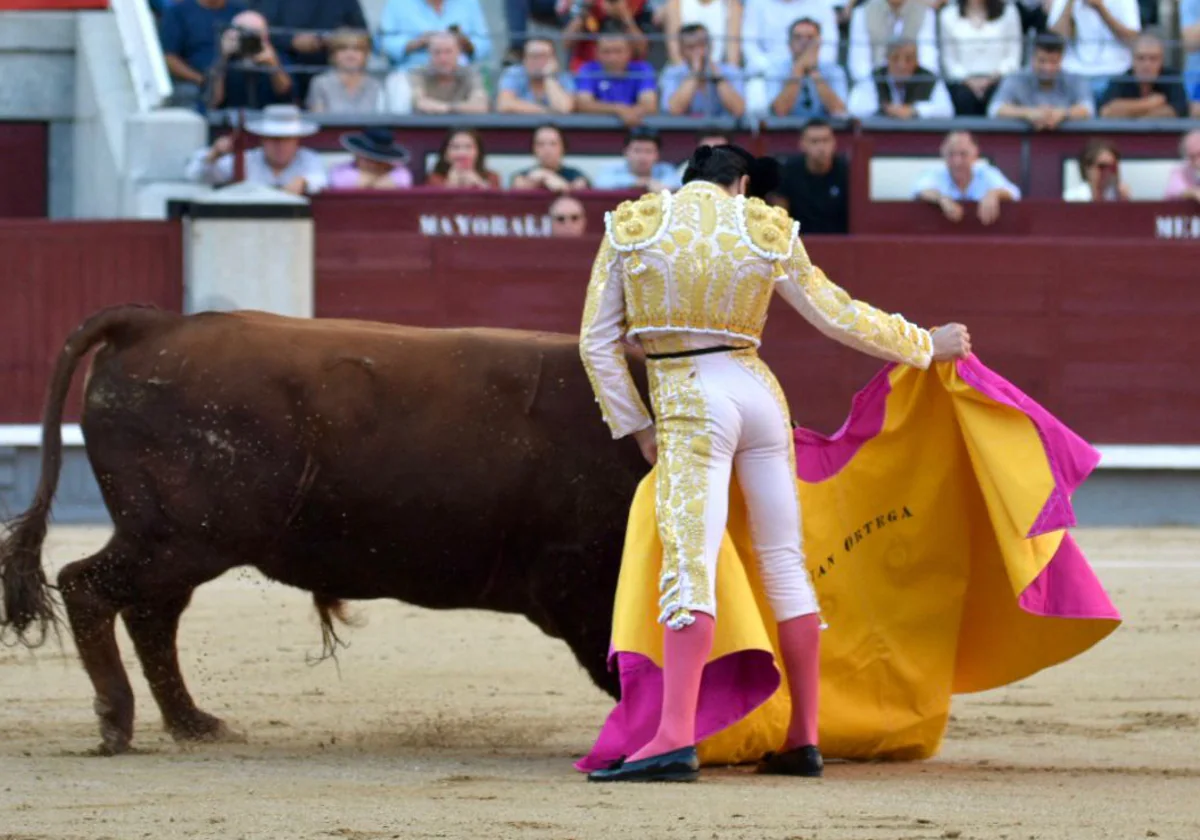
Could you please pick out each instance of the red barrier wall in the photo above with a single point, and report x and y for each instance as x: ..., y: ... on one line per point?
x: 55, y: 274
x: 1100, y: 332
x: 24, y: 148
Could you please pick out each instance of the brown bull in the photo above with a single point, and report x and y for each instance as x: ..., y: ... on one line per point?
x: 444, y: 468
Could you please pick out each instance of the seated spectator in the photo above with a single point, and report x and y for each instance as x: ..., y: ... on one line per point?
x: 588, y: 20
x: 1098, y: 35
x: 1184, y: 180
x: 347, y: 89
x: 615, y: 83
x: 801, y: 85
x: 700, y: 87
x: 444, y: 86
x: 902, y: 89
x: 462, y: 163
x: 1151, y: 92
x: 408, y: 26
x: 1099, y: 165
x: 814, y: 186
x: 962, y: 176
x: 517, y: 14
x: 722, y: 19
x: 981, y: 44
x: 567, y: 217
x: 641, y: 167
x: 280, y: 161
x: 379, y: 162
x: 536, y: 85
x: 189, y: 32
x: 1044, y: 95
x: 248, y: 73
x: 302, y: 25
x: 877, y: 23
x: 550, y: 173
x: 765, y: 28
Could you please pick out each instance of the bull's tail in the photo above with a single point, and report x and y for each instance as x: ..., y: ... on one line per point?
x: 27, y: 606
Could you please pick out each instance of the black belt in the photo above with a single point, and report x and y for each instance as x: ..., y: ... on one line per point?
x: 720, y: 348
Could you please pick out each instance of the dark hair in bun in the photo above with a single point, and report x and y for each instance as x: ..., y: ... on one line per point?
x: 724, y: 165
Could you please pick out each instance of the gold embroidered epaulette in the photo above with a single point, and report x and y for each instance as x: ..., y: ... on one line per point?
x: 769, y: 230
x: 639, y: 224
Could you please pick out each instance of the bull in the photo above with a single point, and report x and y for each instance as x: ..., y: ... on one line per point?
x: 455, y: 468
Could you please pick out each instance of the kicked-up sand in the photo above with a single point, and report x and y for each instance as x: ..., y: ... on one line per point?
x: 465, y: 725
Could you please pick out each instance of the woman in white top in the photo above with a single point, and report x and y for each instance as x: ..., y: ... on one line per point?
x: 981, y: 44
x: 722, y: 19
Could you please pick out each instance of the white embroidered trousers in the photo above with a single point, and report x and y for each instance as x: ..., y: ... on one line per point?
x: 716, y: 414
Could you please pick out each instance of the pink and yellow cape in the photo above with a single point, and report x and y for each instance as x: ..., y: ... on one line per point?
x: 935, y: 530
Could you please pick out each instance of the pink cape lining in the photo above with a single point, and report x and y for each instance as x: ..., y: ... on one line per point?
x: 735, y: 685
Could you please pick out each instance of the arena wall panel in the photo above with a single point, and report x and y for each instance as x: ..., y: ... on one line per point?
x: 53, y: 275
x: 1099, y: 332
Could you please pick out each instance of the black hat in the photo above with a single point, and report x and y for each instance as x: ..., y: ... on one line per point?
x: 375, y: 143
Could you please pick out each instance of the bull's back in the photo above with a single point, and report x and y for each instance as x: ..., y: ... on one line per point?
x: 363, y: 443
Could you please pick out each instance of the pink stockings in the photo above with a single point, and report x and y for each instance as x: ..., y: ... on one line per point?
x: 685, y: 652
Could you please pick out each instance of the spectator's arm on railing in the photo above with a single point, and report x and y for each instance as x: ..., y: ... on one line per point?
x: 832, y: 89
x: 939, y: 106
x: 679, y: 87
x: 731, y: 90
x: 1154, y: 105
x: 476, y: 101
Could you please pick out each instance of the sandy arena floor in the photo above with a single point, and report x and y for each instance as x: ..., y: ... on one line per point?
x: 465, y: 725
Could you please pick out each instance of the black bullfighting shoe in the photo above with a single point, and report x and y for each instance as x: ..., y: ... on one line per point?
x: 802, y: 761
x: 681, y: 765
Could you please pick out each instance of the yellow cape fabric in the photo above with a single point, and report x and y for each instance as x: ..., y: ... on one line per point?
x: 918, y: 552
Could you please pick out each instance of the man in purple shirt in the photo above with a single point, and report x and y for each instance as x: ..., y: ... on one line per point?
x: 615, y: 83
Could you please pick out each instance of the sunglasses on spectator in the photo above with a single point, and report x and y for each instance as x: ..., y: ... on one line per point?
x: 1106, y: 166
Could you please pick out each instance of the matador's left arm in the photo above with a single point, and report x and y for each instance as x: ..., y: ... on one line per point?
x: 848, y: 321
x: 602, y: 350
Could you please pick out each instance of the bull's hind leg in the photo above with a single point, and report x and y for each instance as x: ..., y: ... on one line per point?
x: 153, y: 626
x: 94, y: 590
x: 151, y: 589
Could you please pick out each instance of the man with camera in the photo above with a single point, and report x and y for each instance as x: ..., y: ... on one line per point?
x: 248, y: 73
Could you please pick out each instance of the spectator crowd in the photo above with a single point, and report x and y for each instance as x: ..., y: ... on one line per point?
x: 1046, y: 62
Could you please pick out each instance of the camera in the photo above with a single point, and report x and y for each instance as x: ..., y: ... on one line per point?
x: 250, y: 43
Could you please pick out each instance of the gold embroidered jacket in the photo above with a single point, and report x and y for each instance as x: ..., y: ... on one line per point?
x: 703, y: 262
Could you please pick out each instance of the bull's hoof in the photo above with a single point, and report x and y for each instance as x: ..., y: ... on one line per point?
x: 114, y: 741
x: 114, y: 738
x: 206, y: 729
